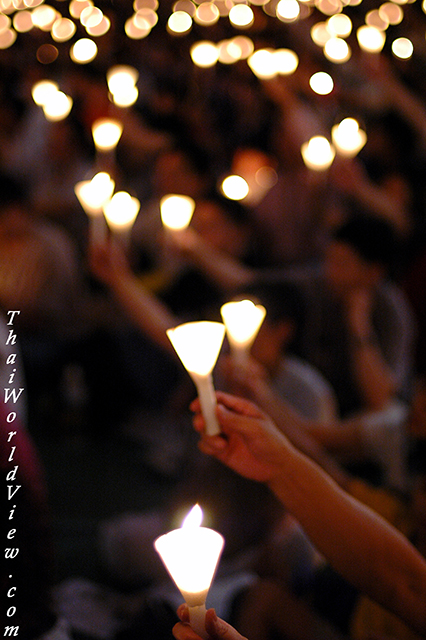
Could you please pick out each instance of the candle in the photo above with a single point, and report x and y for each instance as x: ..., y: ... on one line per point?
x: 121, y: 211
x: 176, y: 211
x: 198, y: 345
x: 242, y: 319
x: 93, y: 195
x: 106, y: 133
x: 191, y: 555
x: 348, y: 137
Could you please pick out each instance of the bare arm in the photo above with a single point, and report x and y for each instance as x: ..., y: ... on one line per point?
x: 223, y: 269
x: 110, y: 266
x: 358, y: 543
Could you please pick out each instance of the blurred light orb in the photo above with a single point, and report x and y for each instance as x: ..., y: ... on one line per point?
x: 402, y: 48
x: 320, y: 34
x: 63, y: 29
x: 179, y: 22
x: 288, y: 10
x: 101, y: 29
x: 91, y: 17
x: 229, y: 52
x: 370, y: 39
x: 42, y: 91
x: 121, y: 79
x: 7, y: 38
x: 136, y: 29
x: 329, y: 7
x: 391, y: 12
x: 245, y: 44
x: 348, y: 138
x: 23, y: 21
x: 77, y: 6
x: 376, y: 19
x: 241, y: 16
x: 83, y: 51
x: 318, y: 154
x: 121, y: 210
x: 337, y: 50
x: 146, y: 15
x: 234, y: 187
x: 186, y: 6
x: 286, y: 61
x: 206, y: 14
x: 145, y: 4
x: 57, y: 107
x: 204, y: 54
x: 106, y: 133
x: 339, y: 25
x: 5, y: 22
x: 44, y: 16
x: 262, y: 63
x: 321, y: 83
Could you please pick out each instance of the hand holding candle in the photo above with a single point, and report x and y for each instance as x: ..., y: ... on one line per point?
x: 198, y: 345
x: 242, y: 319
x: 191, y: 554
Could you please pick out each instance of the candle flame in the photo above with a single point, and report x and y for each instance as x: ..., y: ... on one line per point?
x: 194, y: 518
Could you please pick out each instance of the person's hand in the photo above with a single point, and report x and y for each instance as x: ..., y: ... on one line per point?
x: 249, y: 442
x: 217, y: 628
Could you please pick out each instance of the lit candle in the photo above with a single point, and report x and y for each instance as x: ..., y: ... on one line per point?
x: 318, y: 154
x: 198, y: 345
x: 191, y: 555
x: 176, y: 211
x: 120, y: 212
x: 106, y: 133
x: 348, y: 137
x: 242, y: 319
x: 93, y: 195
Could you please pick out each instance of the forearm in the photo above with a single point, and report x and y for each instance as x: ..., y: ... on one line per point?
x: 144, y: 309
x: 359, y: 544
x: 227, y: 272
x: 309, y: 436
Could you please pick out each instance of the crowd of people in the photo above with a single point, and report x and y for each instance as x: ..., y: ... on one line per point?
x: 317, y: 480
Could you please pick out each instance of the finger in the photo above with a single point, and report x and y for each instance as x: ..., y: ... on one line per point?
x: 182, y: 631
x: 212, y: 445
x: 183, y: 612
x: 238, y: 405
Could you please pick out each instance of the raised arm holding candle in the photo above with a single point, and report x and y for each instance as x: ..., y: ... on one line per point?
x: 357, y: 542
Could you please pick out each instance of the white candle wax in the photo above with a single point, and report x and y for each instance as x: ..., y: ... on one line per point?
x: 207, y: 396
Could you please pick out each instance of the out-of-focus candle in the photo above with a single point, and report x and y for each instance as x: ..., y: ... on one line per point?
x: 198, y: 345
x: 93, y: 195
x: 318, y: 154
x: 106, y: 133
x: 191, y: 555
x: 348, y: 137
x: 120, y: 213
x: 176, y: 211
x: 242, y: 319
